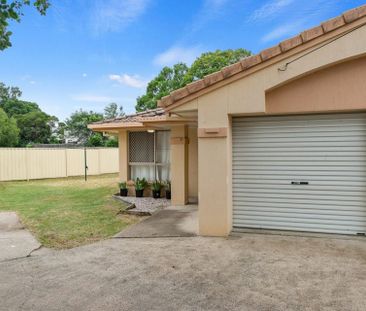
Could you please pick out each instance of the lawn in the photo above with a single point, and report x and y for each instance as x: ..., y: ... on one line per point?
x: 65, y: 213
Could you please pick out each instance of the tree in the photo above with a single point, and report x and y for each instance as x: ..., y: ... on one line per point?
x: 13, y: 11
x: 9, y: 132
x: 34, y: 128
x: 211, y: 62
x: 95, y: 140
x: 111, y: 142
x: 112, y: 111
x: 170, y: 79
x: 15, y: 107
x: 77, y: 127
x: 9, y: 92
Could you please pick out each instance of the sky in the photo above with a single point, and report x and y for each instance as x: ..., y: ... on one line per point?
x: 85, y: 54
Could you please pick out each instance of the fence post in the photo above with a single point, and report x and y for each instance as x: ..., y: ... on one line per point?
x: 85, y: 166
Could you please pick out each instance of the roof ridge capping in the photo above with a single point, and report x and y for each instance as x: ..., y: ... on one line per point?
x: 251, y: 61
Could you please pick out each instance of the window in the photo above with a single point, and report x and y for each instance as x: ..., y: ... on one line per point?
x: 149, y: 155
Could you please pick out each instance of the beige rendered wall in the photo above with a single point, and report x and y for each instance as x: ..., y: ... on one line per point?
x: 213, y: 171
x: 247, y: 96
x: 123, y: 155
x: 179, y: 164
x: 192, y: 165
x: 335, y: 88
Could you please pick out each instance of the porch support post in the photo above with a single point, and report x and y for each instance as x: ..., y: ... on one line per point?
x: 179, y: 164
x: 123, y: 155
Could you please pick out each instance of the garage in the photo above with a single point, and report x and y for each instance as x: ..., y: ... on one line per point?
x: 301, y: 173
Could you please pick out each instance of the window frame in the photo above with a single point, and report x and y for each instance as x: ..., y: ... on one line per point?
x: 154, y: 164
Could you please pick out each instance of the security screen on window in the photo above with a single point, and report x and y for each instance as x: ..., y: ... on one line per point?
x: 149, y: 155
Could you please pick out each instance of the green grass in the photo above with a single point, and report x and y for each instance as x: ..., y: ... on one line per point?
x: 65, y: 213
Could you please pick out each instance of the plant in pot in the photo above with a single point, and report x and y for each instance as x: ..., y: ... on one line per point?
x: 140, y: 185
x: 168, y: 191
x: 123, y: 190
x: 156, y: 187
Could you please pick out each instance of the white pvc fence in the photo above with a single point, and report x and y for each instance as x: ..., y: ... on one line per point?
x: 39, y: 163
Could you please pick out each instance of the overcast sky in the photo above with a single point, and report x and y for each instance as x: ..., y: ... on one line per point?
x: 88, y: 53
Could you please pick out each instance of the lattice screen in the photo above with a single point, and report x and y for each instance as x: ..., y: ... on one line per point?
x: 141, y: 147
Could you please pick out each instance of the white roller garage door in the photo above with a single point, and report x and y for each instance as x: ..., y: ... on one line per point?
x: 303, y: 173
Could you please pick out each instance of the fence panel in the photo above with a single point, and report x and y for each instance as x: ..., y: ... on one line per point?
x: 93, y: 162
x: 46, y: 163
x: 13, y: 165
x: 75, y: 162
x: 109, y: 160
x: 40, y: 163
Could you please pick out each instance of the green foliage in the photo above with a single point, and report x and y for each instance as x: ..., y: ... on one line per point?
x: 140, y: 184
x: 112, y: 111
x: 77, y: 126
x: 16, y: 107
x: 13, y: 11
x: 156, y: 185
x: 95, y: 140
x: 170, y: 79
x: 211, y: 62
x: 111, y: 142
x: 34, y: 127
x: 122, y: 185
x: 9, y: 132
x: 11, y: 92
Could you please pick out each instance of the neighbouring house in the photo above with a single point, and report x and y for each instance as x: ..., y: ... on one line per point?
x: 276, y: 141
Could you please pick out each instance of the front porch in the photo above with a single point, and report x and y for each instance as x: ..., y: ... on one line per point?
x: 158, y: 146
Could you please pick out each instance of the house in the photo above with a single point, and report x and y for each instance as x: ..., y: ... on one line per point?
x: 275, y: 141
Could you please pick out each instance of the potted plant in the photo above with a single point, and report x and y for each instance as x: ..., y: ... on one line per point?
x: 156, y: 189
x: 140, y: 185
x: 123, y: 190
x: 168, y: 191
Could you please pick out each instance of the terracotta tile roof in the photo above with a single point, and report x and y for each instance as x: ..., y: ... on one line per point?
x: 251, y: 61
x: 148, y: 115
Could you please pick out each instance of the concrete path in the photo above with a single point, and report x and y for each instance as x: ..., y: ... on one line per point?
x: 15, y: 242
x: 175, y: 221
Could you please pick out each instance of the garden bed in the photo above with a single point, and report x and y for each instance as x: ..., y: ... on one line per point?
x: 143, y: 206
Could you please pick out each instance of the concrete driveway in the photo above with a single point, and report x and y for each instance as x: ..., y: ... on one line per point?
x: 15, y: 241
x: 249, y: 272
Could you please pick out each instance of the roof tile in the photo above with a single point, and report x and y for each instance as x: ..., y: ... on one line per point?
x: 180, y: 93
x: 265, y: 55
x: 196, y: 86
x: 271, y: 52
x: 312, y: 33
x: 290, y: 43
x: 152, y: 114
x: 213, y: 78
x: 165, y: 101
x: 231, y: 70
x: 354, y: 14
x: 333, y: 24
x: 251, y: 61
